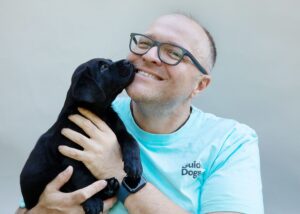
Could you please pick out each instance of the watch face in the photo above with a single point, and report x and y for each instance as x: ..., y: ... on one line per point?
x: 132, y: 183
x: 134, y: 186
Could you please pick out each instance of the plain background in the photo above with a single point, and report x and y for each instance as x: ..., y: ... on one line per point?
x: 255, y: 81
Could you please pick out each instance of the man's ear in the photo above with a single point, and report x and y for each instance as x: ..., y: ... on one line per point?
x: 202, y: 83
x: 87, y: 93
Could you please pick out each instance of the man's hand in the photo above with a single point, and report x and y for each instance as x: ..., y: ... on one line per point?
x: 101, y: 152
x: 52, y: 200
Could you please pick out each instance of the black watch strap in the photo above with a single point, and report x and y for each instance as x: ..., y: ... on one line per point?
x: 122, y: 193
x: 125, y: 189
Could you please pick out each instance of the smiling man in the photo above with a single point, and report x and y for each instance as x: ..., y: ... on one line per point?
x: 194, y: 162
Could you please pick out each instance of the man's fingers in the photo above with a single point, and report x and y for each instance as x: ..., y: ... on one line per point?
x: 72, y: 153
x: 94, y: 118
x: 76, y: 137
x: 85, y: 124
x: 83, y: 194
x: 60, y: 179
x: 108, y: 204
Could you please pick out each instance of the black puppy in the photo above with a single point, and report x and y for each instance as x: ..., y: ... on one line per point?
x: 95, y: 84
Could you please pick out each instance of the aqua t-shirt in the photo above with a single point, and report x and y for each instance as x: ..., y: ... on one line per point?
x: 210, y: 164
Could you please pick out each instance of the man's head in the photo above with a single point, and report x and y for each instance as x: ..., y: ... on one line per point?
x: 157, y: 81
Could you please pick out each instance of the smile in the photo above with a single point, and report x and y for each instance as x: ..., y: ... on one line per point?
x: 148, y: 75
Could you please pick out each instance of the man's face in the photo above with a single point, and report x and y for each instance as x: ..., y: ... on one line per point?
x: 166, y: 84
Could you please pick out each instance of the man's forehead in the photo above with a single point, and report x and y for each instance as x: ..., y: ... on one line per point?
x: 183, y: 31
x: 177, y: 27
x: 174, y: 23
x: 169, y: 29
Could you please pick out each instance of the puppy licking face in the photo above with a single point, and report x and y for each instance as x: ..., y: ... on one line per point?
x: 99, y: 83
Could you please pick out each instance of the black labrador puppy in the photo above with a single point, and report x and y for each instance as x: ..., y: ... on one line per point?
x: 95, y: 84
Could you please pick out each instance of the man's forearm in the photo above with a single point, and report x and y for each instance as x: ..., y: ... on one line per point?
x: 150, y: 200
x: 34, y: 210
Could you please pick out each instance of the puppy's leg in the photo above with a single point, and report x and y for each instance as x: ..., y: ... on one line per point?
x: 37, y: 172
x: 81, y: 178
x: 34, y: 183
x: 129, y: 146
x: 95, y: 203
x: 131, y: 155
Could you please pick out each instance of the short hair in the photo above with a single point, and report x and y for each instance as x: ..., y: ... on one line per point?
x: 212, y: 44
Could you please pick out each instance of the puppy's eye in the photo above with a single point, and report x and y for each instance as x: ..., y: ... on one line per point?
x: 104, y: 66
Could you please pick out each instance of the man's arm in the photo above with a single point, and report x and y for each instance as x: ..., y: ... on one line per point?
x: 224, y: 213
x: 52, y: 200
x: 150, y: 200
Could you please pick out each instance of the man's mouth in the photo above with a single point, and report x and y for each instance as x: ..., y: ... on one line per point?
x: 148, y: 75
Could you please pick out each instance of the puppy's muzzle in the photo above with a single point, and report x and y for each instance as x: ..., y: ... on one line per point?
x: 126, y: 68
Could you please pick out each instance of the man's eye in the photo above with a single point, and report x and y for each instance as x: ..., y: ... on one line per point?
x: 174, y: 54
x: 144, y: 44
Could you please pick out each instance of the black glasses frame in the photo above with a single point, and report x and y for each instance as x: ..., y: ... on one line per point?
x: 158, y: 44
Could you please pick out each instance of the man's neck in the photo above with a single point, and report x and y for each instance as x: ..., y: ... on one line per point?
x: 159, y: 119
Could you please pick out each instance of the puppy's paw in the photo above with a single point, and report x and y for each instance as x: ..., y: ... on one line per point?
x: 110, y: 189
x: 93, y: 206
x: 133, y: 168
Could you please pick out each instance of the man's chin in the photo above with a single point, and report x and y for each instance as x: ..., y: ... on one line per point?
x: 140, y: 96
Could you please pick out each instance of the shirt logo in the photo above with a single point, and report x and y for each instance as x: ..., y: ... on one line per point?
x: 193, y: 169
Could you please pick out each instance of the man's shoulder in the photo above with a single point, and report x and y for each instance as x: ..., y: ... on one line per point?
x: 218, y: 123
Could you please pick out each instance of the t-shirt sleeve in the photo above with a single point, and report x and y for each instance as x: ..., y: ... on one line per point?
x: 234, y: 181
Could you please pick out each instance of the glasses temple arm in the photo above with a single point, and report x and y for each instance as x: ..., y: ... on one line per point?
x: 196, y: 63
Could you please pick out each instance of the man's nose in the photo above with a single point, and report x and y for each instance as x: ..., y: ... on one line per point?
x: 152, y: 56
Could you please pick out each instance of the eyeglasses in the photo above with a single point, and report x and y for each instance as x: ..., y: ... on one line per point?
x: 168, y: 53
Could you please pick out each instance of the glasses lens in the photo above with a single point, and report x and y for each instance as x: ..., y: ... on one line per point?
x: 170, y: 54
x: 140, y: 44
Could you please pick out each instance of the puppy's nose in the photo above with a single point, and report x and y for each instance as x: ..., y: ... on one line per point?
x: 126, y: 68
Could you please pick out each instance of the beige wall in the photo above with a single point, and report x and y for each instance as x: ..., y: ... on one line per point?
x: 256, y: 79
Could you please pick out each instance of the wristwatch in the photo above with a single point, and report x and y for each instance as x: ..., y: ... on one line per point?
x: 126, y: 188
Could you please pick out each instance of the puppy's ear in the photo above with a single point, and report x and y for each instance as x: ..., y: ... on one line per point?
x: 87, y: 92
x: 83, y: 86
x: 93, y: 64
x: 78, y: 72
x: 98, y: 64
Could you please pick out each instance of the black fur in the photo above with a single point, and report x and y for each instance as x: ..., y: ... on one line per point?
x: 94, y: 86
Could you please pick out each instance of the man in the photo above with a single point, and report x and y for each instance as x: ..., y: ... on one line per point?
x: 194, y: 162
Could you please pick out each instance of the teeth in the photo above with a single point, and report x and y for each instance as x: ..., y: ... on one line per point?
x: 143, y: 73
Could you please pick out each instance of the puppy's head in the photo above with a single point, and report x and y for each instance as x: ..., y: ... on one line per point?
x: 99, y: 81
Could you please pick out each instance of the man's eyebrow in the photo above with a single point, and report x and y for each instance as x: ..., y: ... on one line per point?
x: 152, y: 36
